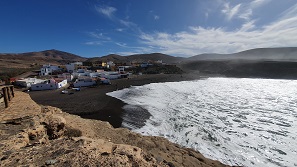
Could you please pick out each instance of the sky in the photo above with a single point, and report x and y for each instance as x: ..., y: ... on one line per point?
x: 92, y: 28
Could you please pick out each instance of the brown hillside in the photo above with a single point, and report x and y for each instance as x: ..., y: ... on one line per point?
x: 25, y: 60
x: 139, y: 58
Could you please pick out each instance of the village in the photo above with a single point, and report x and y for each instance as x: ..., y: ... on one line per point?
x: 83, y: 74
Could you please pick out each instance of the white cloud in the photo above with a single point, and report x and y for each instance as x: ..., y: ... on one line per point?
x: 134, y: 49
x: 93, y: 43
x: 281, y: 33
x: 120, y: 29
x: 106, y: 10
x: 156, y: 17
x: 246, y: 14
x: 243, y: 10
x: 126, y: 53
x: 258, y: 3
x: 248, y: 26
x: 98, y: 36
x: 121, y: 44
x: 230, y: 12
x: 127, y: 23
x: 291, y: 12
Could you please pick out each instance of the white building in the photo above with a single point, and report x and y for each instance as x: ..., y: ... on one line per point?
x: 49, y: 85
x: 94, y: 74
x: 122, y: 68
x: 84, y: 82
x: 73, y: 66
x: 66, y: 76
x: 110, y: 75
x: 81, y: 73
x: 48, y: 69
x: 27, y: 82
x: 110, y: 64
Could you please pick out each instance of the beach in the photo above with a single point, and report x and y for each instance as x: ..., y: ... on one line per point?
x: 93, y: 103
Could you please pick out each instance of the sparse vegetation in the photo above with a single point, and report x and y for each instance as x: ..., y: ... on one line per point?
x: 7, y: 73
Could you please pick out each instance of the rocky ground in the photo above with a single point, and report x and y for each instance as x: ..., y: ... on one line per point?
x: 33, y: 135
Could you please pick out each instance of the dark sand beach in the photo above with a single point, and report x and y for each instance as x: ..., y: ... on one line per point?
x: 93, y: 103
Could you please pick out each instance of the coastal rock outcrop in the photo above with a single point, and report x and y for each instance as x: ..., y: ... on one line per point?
x: 45, y: 136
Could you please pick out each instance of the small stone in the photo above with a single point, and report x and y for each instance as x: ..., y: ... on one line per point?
x: 159, y: 159
x: 170, y: 164
x: 50, y: 162
x: 3, y: 158
x: 104, y: 153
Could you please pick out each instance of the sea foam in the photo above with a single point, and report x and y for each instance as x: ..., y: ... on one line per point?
x: 250, y: 122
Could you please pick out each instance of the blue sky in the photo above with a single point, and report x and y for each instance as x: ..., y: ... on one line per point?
x: 180, y: 28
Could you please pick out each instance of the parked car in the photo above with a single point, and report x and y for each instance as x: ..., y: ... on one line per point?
x: 64, y: 92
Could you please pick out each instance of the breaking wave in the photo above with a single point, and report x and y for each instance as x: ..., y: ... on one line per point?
x: 249, y: 122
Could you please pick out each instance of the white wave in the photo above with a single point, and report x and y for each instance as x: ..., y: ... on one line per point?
x: 250, y: 122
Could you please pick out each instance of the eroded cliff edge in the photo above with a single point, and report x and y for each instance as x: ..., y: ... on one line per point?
x: 33, y: 135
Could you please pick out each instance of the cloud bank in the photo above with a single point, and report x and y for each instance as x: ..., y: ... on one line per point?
x: 197, y: 40
x: 216, y: 40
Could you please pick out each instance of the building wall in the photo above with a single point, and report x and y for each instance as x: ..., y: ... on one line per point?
x: 62, y: 84
x: 28, y: 82
x: 111, y: 75
x: 44, y: 86
x: 70, y: 67
x: 48, y: 69
x: 82, y: 83
x: 49, y: 85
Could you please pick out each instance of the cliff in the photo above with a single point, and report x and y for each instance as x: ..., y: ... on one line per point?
x: 42, y: 135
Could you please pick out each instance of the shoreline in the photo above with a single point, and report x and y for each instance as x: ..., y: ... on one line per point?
x: 93, y: 103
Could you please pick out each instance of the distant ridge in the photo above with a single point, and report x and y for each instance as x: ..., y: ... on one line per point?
x: 273, y: 54
x: 277, y: 63
x: 139, y: 57
x: 47, y: 55
x: 258, y: 54
x: 35, y: 59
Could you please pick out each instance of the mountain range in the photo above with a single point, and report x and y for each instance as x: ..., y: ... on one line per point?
x: 60, y: 57
x: 139, y: 58
x: 25, y: 60
x: 255, y: 62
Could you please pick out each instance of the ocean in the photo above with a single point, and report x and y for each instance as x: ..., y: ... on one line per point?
x: 249, y: 122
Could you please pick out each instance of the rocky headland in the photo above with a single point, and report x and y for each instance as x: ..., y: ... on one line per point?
x: 34, y: 135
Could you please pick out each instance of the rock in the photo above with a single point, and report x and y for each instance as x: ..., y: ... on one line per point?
x: 55, y: 126
x: 50, y: 162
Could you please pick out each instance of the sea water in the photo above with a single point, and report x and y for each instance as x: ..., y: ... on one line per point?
x: 249, y: 122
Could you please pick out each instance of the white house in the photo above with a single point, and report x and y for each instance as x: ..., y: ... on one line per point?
x: 27, y: 82
x: 66, y: 76
x: 111, y: 75
x: 73, y: 66
x: 49, y: 85
x: 61, y: 83
x: 81, y: 73
x: 110, y: 64
x: 144, y: 65
x: 94, y: 74
x: 122, y: 68
x: 48, y: 69
x: 84, y: 82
